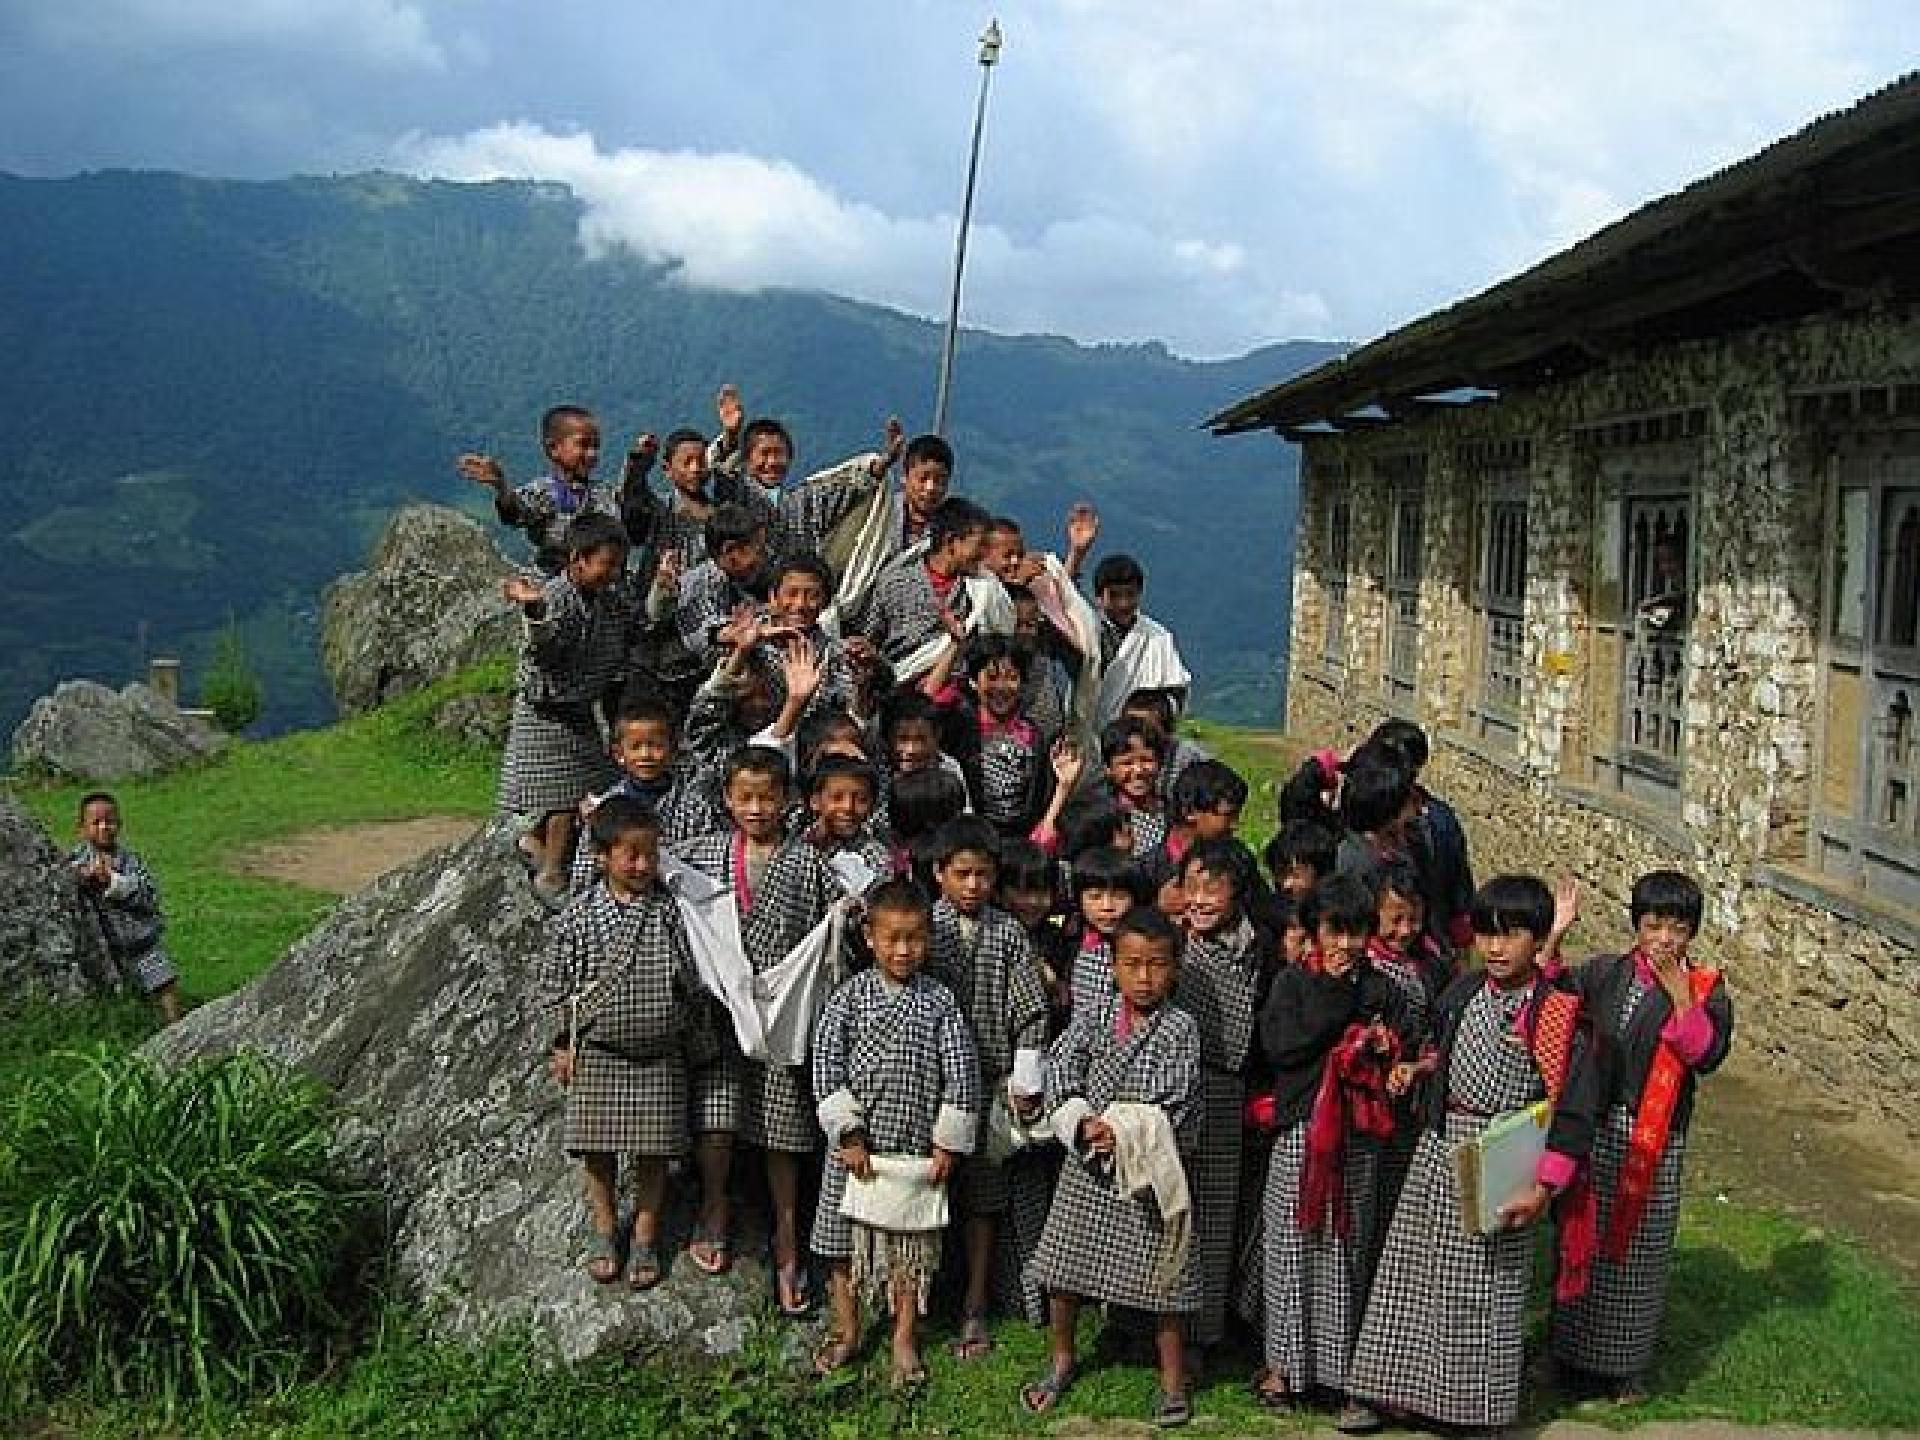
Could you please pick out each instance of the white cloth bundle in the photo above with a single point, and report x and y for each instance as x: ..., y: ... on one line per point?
x: 901, y: 1198
x: 1146, y: 1161
x: 1147, y: 659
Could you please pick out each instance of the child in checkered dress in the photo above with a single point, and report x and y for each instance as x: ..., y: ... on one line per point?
x: 653, y: 771
x: 912, y: 600
x: 124, y: 896
x: 1106, y: 885
x: 624, y: 1018
x: 841, y: 791
x: 781, y: 888
x: 1220, y: 986
x: 1157, y: 708
x: 755, y: 459
x: 733, y: 575
x: 1402, y: 951
x: 1328, y: 1026
x: 578, y: 627
x: 1444, y: 1332
x: 799, y: 593
x: 1663, y: 1021
x: 545, y: 509
x: 1002, y: 751
x: 897, y: 1075
x: 1133, y: 751
x: 984, y: 957
x: 1102, y: 1243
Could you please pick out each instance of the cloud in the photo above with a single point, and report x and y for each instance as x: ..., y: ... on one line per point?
x: 744, y: 223
x: 387, y: 34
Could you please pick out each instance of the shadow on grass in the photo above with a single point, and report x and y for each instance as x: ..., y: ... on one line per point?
x: 1716, y: 1297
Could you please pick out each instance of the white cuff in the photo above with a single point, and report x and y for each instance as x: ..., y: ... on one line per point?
x: 840, y: 1112
x: 954, y: 1130
x: 1028, y: 1066
x: 1067, y: 1118
x: 119, y: 884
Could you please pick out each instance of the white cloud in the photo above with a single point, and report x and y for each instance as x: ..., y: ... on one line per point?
x: 388, y: 34
x: 744, y: 223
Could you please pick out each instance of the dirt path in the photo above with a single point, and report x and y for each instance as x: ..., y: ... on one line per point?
x: 341, y: 859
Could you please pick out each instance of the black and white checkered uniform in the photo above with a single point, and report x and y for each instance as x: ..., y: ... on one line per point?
x: 533, y: 510
x: 1098, y: 1243
x: 801, y: 516
x: 1149, y: 829
x: 1396, y: 1152
x: 1612, y: 1329
x: 1313, y: 1298
x: 905, y: 1054
x: 708, y: 598
x: 683, y: 808
x: 573, y: 655
x: 987, y: 961
x: 1031, y: 1177
x: 1043, y: 699
x: 906, y: 611
x: 1091, y: 980
x: 130, y: 919
x: 1219, y: 986
x: 1250, y: 1265
x: 836, y: 676
x: 1444, y: 1330
x: 640, y: 1008
x: 1011, y: 764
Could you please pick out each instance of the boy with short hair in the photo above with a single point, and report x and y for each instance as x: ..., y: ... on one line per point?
x: 898, y: 1080
x: 910, y: 600
x: 125, y: 899
x: 577, y: 630
x: 543, y: 509
x: 1137, y: 652
x: 732, y: 575
x: 985, y: 958
x: 626, y: 1016
x: 653, y: 770
x: 1300, y: 856
x: 1130, y: 1064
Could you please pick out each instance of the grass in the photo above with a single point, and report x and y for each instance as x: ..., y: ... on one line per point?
x: 1770, y: 1322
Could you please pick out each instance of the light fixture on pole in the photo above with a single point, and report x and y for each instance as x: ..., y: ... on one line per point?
x: 989, y: 54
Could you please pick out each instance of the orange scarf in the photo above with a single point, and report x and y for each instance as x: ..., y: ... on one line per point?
x: 1556, y: 1021
x: 1652, y: 1124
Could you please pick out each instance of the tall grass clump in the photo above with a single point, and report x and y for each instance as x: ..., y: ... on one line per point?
x: 169, y: 1235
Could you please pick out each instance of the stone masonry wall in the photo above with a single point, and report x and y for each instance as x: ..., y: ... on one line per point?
x: 1822, y: 980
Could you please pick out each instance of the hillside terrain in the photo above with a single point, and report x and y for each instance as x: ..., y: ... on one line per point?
x: 217, y: 391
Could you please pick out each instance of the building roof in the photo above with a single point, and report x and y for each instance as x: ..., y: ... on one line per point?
x: 1826, y: 219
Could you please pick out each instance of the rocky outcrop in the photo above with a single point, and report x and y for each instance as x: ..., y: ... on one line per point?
x: 428, y: 605
x: 479, y: 721
x: 50, y: 946
x: 84, y: 731
x: 413, y: 1002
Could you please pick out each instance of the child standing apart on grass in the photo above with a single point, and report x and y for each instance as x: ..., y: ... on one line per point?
x: 1445, y: 1328
x: 1664, y: 1021
x: 625, y: 1014
x: 1123, y: 1085
x: 123, y: 894
x: 1330, y: 1027
x: 898, y: 1080
x: 984, y: 957
x: 578, y: 627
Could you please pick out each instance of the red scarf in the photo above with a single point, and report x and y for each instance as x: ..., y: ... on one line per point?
x: 1575, y: 1211
x: 1352, y: 1097
x: 1652, y: 1124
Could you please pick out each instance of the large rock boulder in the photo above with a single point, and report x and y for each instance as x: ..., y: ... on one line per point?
x: 84, y: 731
x: 413, y: 1002
x: 50, y: 945
x: 429, y: 605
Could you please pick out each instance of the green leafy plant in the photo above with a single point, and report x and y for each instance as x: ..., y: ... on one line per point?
x: 169, y: 1234
x: 232, y: 689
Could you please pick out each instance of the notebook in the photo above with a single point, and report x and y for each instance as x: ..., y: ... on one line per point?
x: 1500, y: 1163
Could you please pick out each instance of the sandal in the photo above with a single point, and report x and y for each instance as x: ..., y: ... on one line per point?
x: 974, y: 1342
x: 1356, y: 1418
x: 1171, y: 1409
x: 644, y: 1270
x: 1045, y: 1393
x: 792, y: 1293
x: 1271, y: 1392
x: 834, y: 1356
x: 711, y: 1252
x: 603, y: 1258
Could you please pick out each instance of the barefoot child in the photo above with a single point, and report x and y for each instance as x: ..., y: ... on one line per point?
x: 898, y: 1079
x: 625, y: 1013
x: 121, y: 889
x: 984, y: 957
x: 1123, y: 1085
x: 1666, y: 1020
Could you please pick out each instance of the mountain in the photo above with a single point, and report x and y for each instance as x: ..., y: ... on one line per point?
x: 217, y: 391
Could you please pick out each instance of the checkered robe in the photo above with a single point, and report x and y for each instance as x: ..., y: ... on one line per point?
x: 898, y: 1062
x: 708, y: 598
x: 991, y: 970
x: 572, y: 656
x: 533, y: 510
x: 638, y: 1031
x: 1612, y: 1330
x: 1149, y: 829
x: 684, y: 810
x: 1031, y: 1177
x: 1091, y: 979
x: 1010, y: 774
x: 768, y: 1104
x: 130, y: 920
x: 1219, y: 986
x: 906, y: 611
x: 836, y: 676
x: 1042, y: 700
x: 1443, y: 1335
x: 800, y: 517
x: 1098, y: 1243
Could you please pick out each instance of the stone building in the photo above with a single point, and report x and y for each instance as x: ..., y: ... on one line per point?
x: 1635, y: 536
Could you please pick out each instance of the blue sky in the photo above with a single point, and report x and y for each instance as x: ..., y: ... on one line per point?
x: 1215, y: 175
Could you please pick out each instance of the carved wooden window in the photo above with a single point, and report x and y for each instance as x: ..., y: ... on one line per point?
x: 1499, y: 596
x: 1866, y: 827
x: 1333, y: 642
x: 1406, y: 537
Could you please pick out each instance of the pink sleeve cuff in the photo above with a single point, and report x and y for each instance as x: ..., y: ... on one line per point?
x: 1047, y: 838
x: 947, y: 696
x: 1690, y: 1035
x: 1556, y: 1171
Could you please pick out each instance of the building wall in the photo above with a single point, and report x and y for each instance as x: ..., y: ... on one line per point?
x: 1822, y: 977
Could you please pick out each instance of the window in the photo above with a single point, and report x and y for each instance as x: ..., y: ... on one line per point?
x: 1406, y: 532
x: 1333, y: 642
x: 1867, y: 800
x: 1499, y: 594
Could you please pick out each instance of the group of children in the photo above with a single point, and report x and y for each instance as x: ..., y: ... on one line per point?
x: 831, y: 740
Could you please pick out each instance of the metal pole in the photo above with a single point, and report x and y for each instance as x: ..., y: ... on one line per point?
x: 989, y: 53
